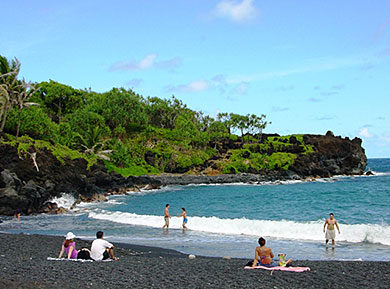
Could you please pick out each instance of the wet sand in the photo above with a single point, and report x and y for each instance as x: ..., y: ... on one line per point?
x: 24, y: 264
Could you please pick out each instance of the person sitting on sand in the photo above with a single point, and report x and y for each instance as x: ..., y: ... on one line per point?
x: 167, y: 216
x: 264, y: 255
x: 101, y: 249
x: 330, y: 231
x: 69, y: 247
x: 185, y: 220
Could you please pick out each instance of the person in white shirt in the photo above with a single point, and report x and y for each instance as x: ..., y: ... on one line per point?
x: 101, y: 249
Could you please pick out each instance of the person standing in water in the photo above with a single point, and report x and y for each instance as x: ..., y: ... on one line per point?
x: 167, y: 216
x: 330, y: 231
x: 17, y: 214
x: 185, y: 220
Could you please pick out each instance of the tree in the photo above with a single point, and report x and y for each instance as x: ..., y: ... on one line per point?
x: 34, y: 122
x: 82, y: 122
x: 9, y: 72
x: 217, y: 129
x: 240, y: 122
x: 120, y: 107
x: 24, y: 92
x: 59, y: 99
x: 225, y: 118
x: 13, y: 92
x: 92, y: 142
x: 260, y: 124
x: 203, y: 121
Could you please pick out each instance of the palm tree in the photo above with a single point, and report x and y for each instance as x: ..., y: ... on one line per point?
x: 13, y: 92
x: 8, y: 86
x: 92, y: 143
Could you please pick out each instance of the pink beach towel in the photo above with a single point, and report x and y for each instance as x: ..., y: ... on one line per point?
x: 279, y: 268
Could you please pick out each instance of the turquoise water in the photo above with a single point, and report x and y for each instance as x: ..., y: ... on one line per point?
x: 228, y: 219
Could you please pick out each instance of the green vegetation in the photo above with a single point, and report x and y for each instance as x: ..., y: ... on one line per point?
x: 26, y: 145
x: 135, y: 135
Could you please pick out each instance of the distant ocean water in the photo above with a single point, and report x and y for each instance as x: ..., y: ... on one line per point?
x: 226, y: 220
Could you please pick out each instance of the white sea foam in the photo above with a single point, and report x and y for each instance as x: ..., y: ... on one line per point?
x: 308, y: 231
x: 270, y: 183
x: 160, y: 190
x: 65, y: 200
x: 114, y: 202
x: 379, y: 174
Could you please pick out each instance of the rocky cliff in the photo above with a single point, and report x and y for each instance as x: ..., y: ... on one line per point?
x: 29, y: 186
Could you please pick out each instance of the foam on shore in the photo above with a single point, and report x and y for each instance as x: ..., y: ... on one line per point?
x: 308, y: 231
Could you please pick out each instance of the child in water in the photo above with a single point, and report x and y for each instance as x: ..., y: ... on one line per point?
x: 185, y: 220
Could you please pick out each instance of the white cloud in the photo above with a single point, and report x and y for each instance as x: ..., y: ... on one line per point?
x: 365, y: 133
x: 149, y: 61
x: 198, y: 85
x: 241, y: 89
x: 279, y: 109
x: 235, y: 10
x: 312, y: 65
x: 169, y: 63
x: 386, y: 138
x: 194, y: 86
x: 134, y: 82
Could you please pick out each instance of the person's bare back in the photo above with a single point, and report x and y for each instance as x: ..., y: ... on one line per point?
x: 265, y: 254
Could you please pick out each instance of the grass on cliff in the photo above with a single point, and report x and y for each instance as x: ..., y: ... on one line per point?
x: 167, y: 151
x: 273, y: 153
x: 25, y: 145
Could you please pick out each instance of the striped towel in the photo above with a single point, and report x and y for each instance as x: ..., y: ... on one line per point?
x: 75, y: 260
x: 279, y: 268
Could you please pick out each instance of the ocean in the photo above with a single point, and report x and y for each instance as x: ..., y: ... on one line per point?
x: 227, y: 220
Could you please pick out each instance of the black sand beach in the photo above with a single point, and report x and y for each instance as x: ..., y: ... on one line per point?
x: 24, y: 264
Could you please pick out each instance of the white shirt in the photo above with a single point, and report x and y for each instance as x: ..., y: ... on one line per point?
x: 98, y: 247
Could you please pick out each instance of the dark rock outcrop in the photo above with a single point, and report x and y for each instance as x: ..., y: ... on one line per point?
x: 23, y: 186
x: 331, y: 156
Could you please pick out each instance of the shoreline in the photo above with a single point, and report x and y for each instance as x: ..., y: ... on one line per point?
x: 24, y: 265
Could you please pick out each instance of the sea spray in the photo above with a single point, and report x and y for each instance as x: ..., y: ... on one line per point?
x: 64, y: 200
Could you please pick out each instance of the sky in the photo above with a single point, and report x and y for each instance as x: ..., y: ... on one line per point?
x: 309, y: 66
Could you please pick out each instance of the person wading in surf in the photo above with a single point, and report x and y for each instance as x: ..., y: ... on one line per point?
x: 167, y: 216
x: 185, y: 220
x: 330, y: 231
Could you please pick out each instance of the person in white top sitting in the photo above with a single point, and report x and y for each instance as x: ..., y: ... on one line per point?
x: 101, y: 249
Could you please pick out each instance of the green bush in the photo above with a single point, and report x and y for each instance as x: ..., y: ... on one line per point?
x: 280, y: 160
x: 34, y: 122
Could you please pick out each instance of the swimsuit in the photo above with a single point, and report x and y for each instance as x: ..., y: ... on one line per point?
x: 185, y: 220
x: 330, y: 234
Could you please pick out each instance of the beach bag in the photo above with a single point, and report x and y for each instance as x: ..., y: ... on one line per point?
x: 84, y: 254
x: 250, y: 263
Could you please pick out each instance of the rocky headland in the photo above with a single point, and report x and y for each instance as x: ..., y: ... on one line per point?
x: 29, y: 182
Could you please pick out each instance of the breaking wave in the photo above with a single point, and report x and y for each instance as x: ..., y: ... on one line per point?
x: 308, y: 231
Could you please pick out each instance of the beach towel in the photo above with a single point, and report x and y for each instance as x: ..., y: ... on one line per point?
x: 75, y: 260
x: 280, y: 268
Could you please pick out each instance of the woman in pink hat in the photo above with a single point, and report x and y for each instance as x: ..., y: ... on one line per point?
x: 69, y: 247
